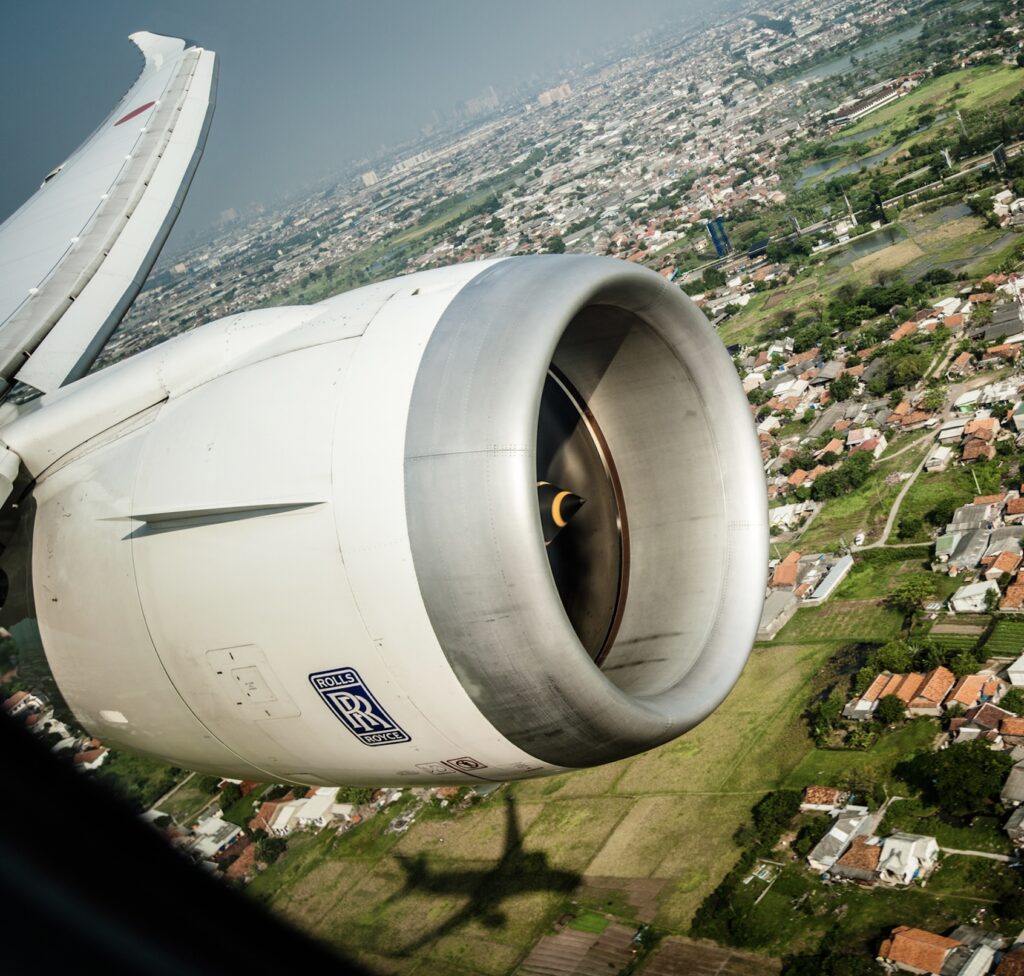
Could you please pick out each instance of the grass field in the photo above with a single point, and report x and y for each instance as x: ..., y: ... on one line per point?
x: 140, y: 780
x: 984, y: 833
x: 846, y: 621
x: 955, y: 486
x: 864, y: 510
x: 351, y: 890
x: 876, y: 764
x: 969, y: 88
x: 187, y: 800
x: 876, y: 571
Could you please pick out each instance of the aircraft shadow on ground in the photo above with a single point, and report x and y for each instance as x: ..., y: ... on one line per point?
x: 517, y: 872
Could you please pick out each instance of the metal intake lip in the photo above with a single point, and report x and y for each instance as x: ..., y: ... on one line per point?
x: 649, y: 370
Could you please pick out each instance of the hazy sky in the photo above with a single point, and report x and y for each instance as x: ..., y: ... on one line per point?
x: 304, y: 86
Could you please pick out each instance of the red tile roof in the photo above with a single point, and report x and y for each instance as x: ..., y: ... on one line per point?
x: 909, y: 687
x: 917, y: 948
x: 874, y: 690
x: 821, y: 795
x: 1006, y: 562
x: 936, y: 685
x: 1013, y: 599
x: 1012, y: 964
x: 861, y: 855
x: 785, y: 572
x: 967, y: 690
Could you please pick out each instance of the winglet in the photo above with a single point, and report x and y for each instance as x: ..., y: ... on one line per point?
x: 157, y: 48
x: 74, y: 256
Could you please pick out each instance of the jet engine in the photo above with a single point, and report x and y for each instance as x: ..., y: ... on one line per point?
x: 485, y: 522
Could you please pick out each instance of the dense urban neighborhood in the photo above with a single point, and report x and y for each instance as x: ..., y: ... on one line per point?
x: 839, y: 187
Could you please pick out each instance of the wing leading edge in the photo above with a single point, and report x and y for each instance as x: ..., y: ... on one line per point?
x: 74, y: 256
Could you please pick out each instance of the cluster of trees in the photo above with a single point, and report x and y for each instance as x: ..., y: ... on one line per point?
x: 842, y: 387
x: 849, y: 476
x: 902, y: 364
x: 901, y: 656
x: 838, y: 955
x: 356, y: 795
x: 727, y: 914
x: 963, y: 780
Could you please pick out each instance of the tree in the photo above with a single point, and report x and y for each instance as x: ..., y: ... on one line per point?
x: 1013, y: 701
x: 842, y: 387
x: 909, y: 526
x: 356, y: 795
x: 555, y: 245
x: 231, y: 793
x: 269, y: 849
x: 822, y: 716
x: 963, y: 780
x: 896, y: 656
x: 890, y: 710
x: 809, y: 834
x: 713, y: 278
x: 942, y: 513
x: 910, y: 592
x: 991, y: 600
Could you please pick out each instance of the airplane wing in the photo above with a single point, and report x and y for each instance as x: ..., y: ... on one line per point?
x: 74, y: 256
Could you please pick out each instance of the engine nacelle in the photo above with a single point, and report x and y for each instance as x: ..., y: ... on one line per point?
x: 308, y: 544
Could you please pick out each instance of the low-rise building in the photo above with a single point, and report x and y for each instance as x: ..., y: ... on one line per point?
x: 974, y: 598
x: 852, y: 822
x: 916, y: 950
x: 906, y: 858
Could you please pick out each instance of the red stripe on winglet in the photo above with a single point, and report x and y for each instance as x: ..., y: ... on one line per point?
x: 134, y: 112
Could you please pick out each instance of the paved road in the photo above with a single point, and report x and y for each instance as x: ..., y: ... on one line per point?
x: 895, y: 510
x: 174, y: 789
x: 1005, y: 858
x: 955, y: 392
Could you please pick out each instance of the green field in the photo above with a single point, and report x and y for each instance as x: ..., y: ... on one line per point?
x: 188, y: 800
x: 955, y: 486
x: 983, y: 834
x: 140, y: 780
x: 876, y: 571
x: 875, y: 764
x: 351, y: 891
x: 864, y: 510
x: 845, y: 621
x: 960, y: 89
x: 1006, y: 639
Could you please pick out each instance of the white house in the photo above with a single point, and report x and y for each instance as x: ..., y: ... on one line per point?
x: 1016, y: 672
x: 318, y: 811
x: 906, y: 857
x: 212, y: 835
x: 972, y: 598
x: 285, y: 818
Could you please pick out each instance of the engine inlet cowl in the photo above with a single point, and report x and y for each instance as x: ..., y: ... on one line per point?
x: 633, y: 622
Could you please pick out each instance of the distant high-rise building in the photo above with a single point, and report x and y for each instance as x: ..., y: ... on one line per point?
x: 716, y: 231
x: 486, y: 102
x: 556, y: 94
x: 369, y: 178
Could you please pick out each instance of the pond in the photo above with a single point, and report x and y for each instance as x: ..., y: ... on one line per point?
x: 816, y: 169
x: 867, y: 244
x: 836, y: 66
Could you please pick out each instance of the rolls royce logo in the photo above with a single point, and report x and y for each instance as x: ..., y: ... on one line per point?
x: 356, y: 708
